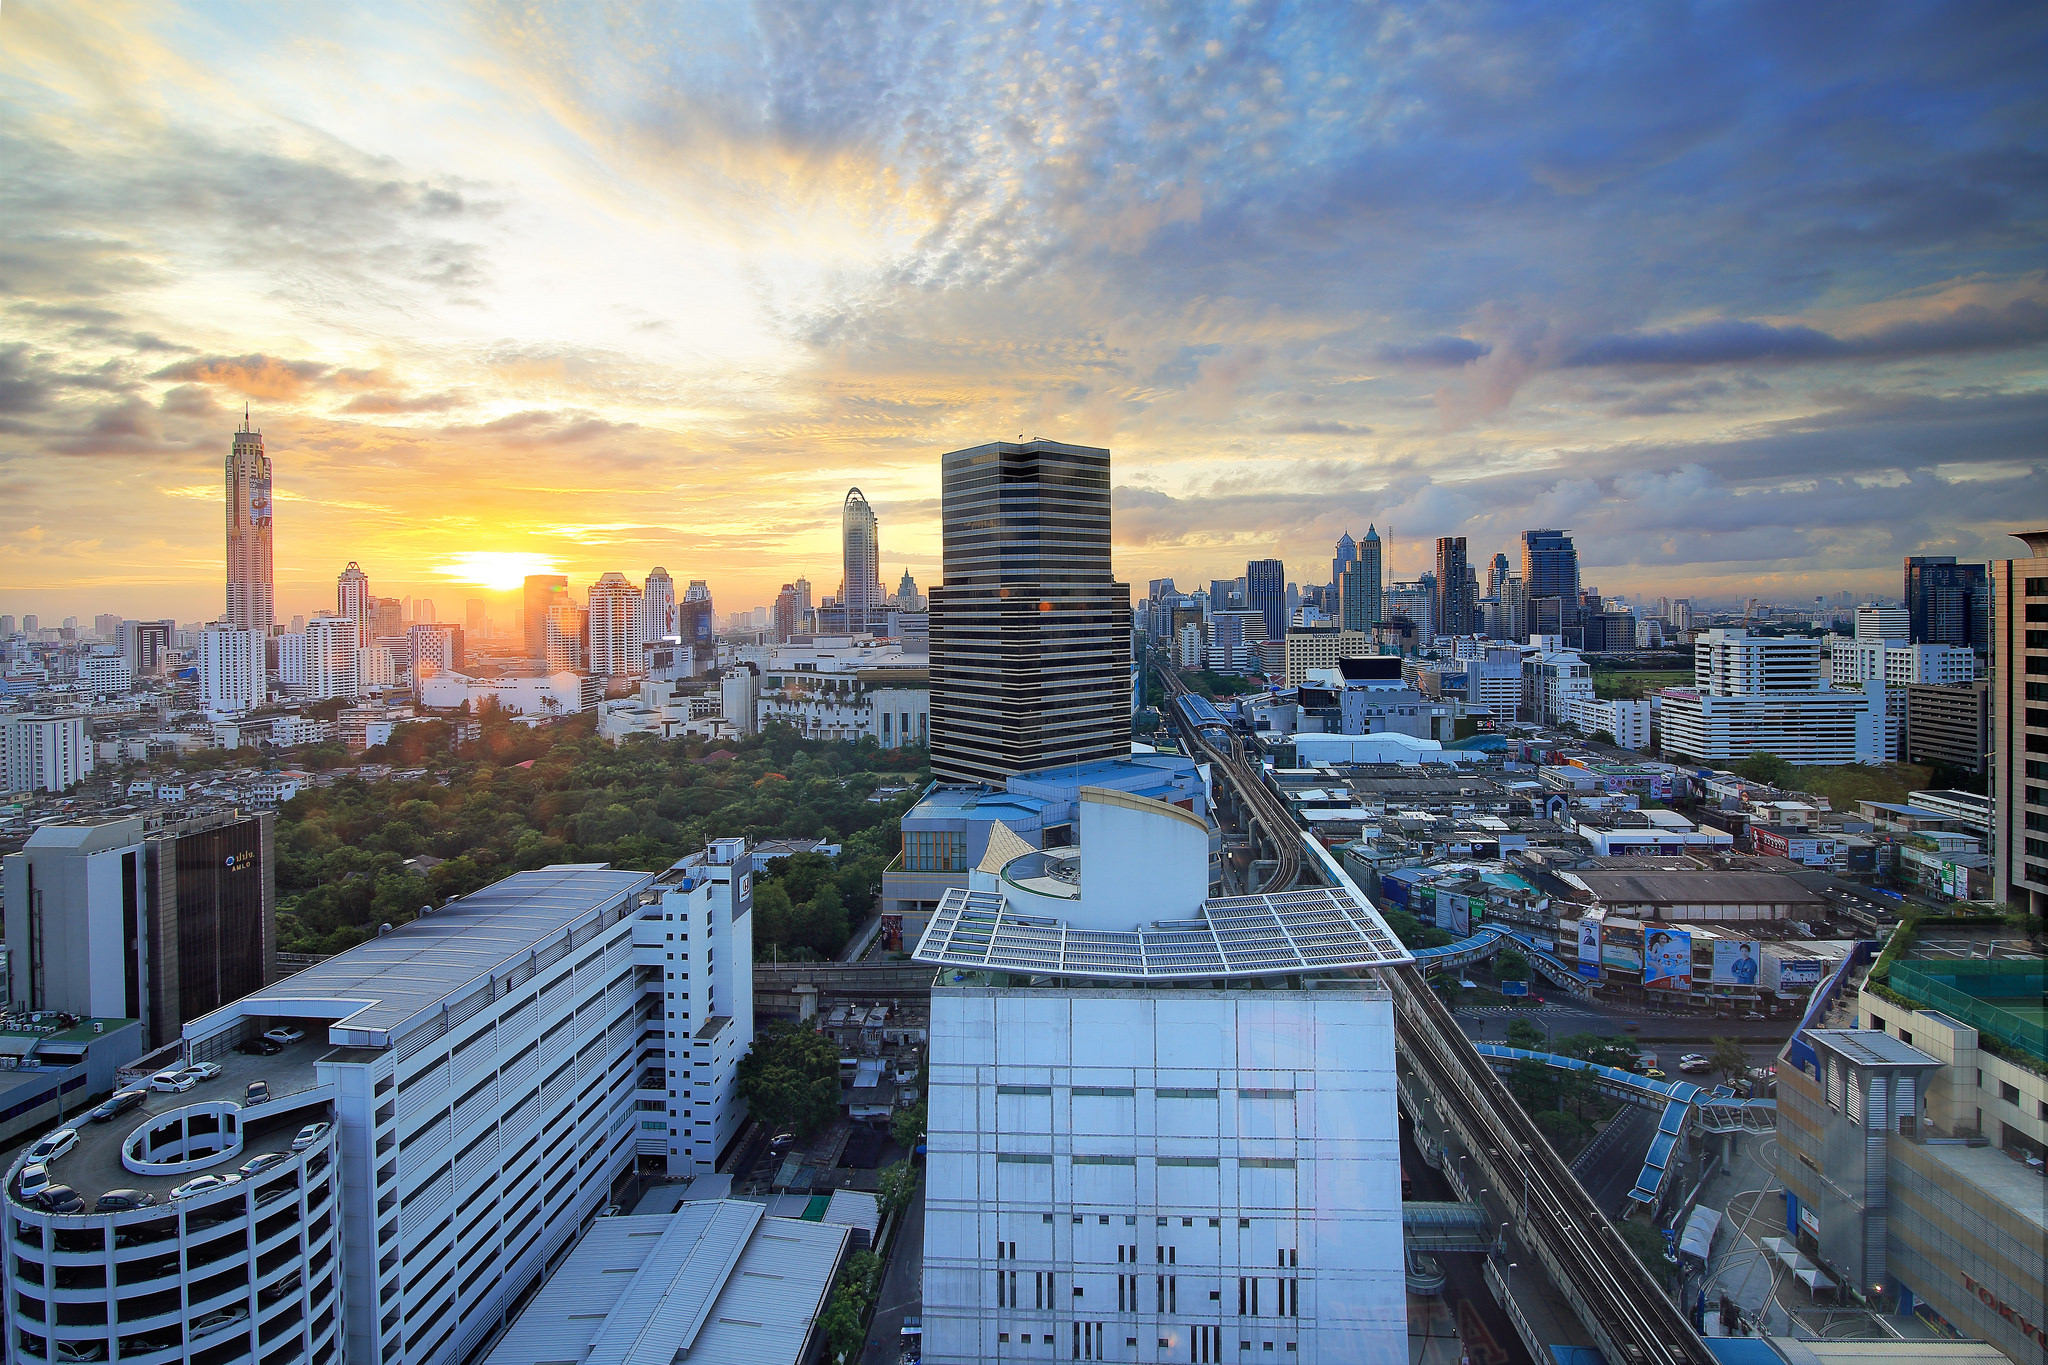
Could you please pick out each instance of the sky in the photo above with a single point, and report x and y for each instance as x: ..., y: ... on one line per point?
x: 1753, y: 298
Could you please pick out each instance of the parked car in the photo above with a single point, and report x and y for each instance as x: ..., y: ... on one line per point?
x: 258, y: 1093
x: 120, y: 1201
x: 260, y: 1047
x: 205, y: 1071
x: 74, y: 1351
x: 284, y: 1035
x: 204, y: 1183
x: 219, y: 1318
x: 54, y: 1145
x: 257, y: 1165
x: 1692, y: 1064
x: 1655, y: 1074
x: 173, y: 1082
x: 34, y: 1179
x: 781, y: 1142
x: 309, y: 1135
x: 61, y: 1199
x: 118, y: 1104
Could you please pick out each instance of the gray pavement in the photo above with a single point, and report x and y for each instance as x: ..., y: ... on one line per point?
x: 902, y: 1292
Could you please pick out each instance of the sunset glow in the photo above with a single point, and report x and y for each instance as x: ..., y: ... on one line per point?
x: 495, y: 570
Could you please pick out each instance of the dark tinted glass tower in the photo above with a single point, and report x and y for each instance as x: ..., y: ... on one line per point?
x: 1948, y: 603
x: 1455, y: 597
x: 1030, y: 632
x: 1265, y: 592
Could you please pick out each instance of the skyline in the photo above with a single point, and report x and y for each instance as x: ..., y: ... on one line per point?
x: 1759, y: 327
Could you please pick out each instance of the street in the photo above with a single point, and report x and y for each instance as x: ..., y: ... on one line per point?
x: 902, y: 1291
x: 1489, y: 1337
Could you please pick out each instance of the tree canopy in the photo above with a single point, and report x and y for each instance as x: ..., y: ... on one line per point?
x: 790, y: 1078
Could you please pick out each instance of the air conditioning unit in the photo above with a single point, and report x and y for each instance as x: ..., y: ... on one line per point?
x: 98, y: 1026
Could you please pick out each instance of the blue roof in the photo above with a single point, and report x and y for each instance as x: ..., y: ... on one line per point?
x: 1743, y: 1351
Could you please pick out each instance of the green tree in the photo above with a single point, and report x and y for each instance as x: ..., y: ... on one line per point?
x: 1729, y: 1058
x: 790, y: 1078
x: 1767, y: 768
x: 907, y: 1126
x: 895, y: 1186
x: 1510, y: 965
x: 1525, y: 1035
x: 1648, y: 1245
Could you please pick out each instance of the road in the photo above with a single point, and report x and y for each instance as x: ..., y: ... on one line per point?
x: 902, y: 1287
x: 1610, y: 1167
x: 1483, y: 1327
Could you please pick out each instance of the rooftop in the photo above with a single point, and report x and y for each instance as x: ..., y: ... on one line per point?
x: 1316, y: 930
x: 1869, y: 1047
x: 714, y: 1282
x: 376, y: 989
x: 1694, y: 888
x: 2011, y: 1184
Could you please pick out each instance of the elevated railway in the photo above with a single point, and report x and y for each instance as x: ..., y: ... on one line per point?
x: 1218, y: 741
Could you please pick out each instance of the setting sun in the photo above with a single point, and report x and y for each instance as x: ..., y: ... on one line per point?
x: 496, y: 570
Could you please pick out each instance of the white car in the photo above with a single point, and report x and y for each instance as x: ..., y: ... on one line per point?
x: 55, y: 1145
x: 173, y: 1082
x: 35, y: 1178
x: 201, y: 1184
x: 309, y: 1135
x: 205, y: 1071
x: 284, y: 1035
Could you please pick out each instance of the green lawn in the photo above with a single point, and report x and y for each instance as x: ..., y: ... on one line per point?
x: 1611, y: 683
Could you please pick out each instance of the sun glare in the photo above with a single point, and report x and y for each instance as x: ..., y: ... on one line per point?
x: 496, y: 570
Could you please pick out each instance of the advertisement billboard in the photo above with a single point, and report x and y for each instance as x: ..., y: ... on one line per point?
x: 1667, y: 960
x: 1589, y: 948
x: 1424, y: 908
x: 1737, y: 961
x: 1454, y: 912
x: 1621, y: 947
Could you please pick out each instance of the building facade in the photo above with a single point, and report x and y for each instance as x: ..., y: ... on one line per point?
x: 251, y: 602
x: 860, y: 592
x: 657, y: 605
x: 1455, y: 598
x: 333, y: 658
x: 2019, y: 723
x: 1948, y: 603
x: 354, y: 602
x: 1949, y: 724
x: 1265, y: 592
x: 616, y: 624
x: 44, y: 752
x: 233, y: 676
x: 1030, y: 633
x: 539, y: 592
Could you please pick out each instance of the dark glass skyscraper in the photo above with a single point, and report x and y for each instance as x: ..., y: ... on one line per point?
x: 1948, y: 603
x: 1456, y: 588
x: 1550, y: 570
x: 1265, y: 592
x: 1030, y: 632
x: 1360, y: 587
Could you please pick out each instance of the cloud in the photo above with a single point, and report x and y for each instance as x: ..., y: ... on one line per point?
x: 397, y: 403
x: 258, y: 376
x: 1434, y: 353
x: 1971, y: 327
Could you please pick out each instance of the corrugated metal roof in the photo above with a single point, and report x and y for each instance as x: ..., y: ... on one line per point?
x: 715, y: 1283
x: 1696, y: 888
x: 417, y: 966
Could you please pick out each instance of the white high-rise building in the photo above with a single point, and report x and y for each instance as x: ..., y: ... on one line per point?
x: 291, y: 663
x: 44, y: 753
x: 352, y: 599
x: 617, y: 628
x: 1154, y: 1144
x: 1890, y: 661
x: 1884, y: 623
x: 1188, y: 649
x: 488, y: 1070
x: 333, y: 658
x: 657, y: 605
x: 564, y: 633
x: 433, y: 648
x: 1765, y: 694
x: 104, y: 672
x: 232, y: 673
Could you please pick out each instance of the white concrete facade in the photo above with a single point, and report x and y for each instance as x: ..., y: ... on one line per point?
x: 44, y: 753
x: 232, y: 674
x: 1628, y: 721
x: 556, y: 694
x: 1153, y: 1175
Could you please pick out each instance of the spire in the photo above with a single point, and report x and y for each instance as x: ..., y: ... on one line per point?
x: 1371, y: 532
x: 245, y: 416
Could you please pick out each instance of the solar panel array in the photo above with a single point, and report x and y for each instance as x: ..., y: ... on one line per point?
x: 1316, y: 930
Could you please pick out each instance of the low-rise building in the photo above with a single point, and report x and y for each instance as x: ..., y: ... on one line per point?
x: 561, y: 693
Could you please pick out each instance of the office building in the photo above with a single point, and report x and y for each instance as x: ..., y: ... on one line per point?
x: 251, y: 602
x: 475, y: 616
x: 657, y: 605
x: 1948, y: 603
x: 1318, y: 647
x: 538, y: 593
x: 1497, y: 572
x: 1234, y: 639
x: 1358, y: 587
x: 233, y: 675
x: 132, y: 919
x: 2019, y: 723
x: 1949, y: 724
x: 44, y: 752
x: 490, y: 1070
x: 1030, y: 634
x: 144, y: 645
x: 1550, y: 565
x: 1414, y: 603
x: 1265, y: 592
x: 1898, y: 665
x: 1151, y: 1144
x: 353, y: 601
x: 433, y: 648
x: 1455, y: 599
x: 333, y: 659
x: 1346, y: 556
x: 107, y: 625
x: 615, y: 622
x: 104, y: 672
x: 696, y: 629
x: 860, y: 591
x: 1875, y: 623
x: 787, y: 616
x: 567, y: 630
x: 1763, y: 694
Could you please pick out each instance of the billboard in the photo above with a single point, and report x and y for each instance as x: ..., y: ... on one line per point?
x: 1736, y: 961
x: 1424, y: 908
x: 1667, y: 960
x: 1589, y: 947
x: 1621, y: 948
x: 1454, y: 912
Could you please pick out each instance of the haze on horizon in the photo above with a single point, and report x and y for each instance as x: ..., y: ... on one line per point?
x: 1751, y: 297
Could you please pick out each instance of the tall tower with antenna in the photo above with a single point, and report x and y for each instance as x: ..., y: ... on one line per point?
x: 251, y: 603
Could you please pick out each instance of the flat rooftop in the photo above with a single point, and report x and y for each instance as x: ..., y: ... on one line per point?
x: 1695, y: 888
x: 719, y: 1282
x: 376, y: 989
x: 2009, y: 1183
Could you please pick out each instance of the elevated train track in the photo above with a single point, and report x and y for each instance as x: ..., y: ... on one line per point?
x: 1219, y: 742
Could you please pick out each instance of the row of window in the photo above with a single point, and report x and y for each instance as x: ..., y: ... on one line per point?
x: 1091, y: 1341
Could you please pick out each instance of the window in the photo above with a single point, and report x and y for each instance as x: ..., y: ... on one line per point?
x: 2009, y: 1093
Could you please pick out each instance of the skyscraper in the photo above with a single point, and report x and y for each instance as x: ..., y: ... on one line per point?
x: 1265, y: 592
x: 352, y: 600
x: 542, y: 592
x: 1496, y: 574
x: 231, y: 668
x: 1030, y: 633
x: 1948, y: 603
x: 1347, y: 554
x: 333, y: 658
x: 251, y: 600
x: 2020, y: 655
x: 1360, y: 587
x: 861, y: 593
x: 1455, y: 598
x: 615, y: 628
x: 1550, y: 565
x: 658, y: 605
